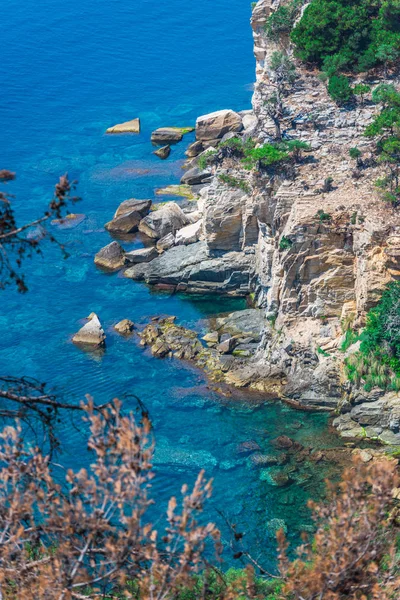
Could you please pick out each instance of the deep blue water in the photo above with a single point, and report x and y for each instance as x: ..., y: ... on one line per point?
x: 68, y: 71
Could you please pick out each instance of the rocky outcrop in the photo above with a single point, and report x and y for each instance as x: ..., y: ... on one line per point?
x: 90, y: 335
x: 167, y: 219
x: 190, y: 268
x: 111, y: 257
x: 128, y: 216
x: 127, y: 127
x: 215, y: 125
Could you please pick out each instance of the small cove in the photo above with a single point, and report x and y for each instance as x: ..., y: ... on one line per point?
x: 69, y: 72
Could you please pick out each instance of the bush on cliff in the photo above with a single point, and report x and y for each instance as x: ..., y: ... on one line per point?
x: 377, y: 364
x: 349, y: 35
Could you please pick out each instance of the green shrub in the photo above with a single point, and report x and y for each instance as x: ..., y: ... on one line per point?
x: 323, y: 216
x: 354, y: 35
x: 285, y: 243
x: 267, y: 155
x: 339, y: 89
x: 204, y: 159
x: 378, y: 361
x: 281, y: 21
x: 234, y: 182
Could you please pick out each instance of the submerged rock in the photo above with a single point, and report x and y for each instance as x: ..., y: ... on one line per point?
x: 124, y: 327
x: 91, y: 334
x: 127, y: 127
x: 167, y: 219
x: 111, y: 257
x: 215, y: 125
x: 275, y: 525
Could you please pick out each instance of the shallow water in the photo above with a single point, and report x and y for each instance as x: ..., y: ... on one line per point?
x: 68, y: 71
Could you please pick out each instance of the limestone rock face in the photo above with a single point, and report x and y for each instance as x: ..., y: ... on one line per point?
x: 128, y: 216
x: 91, y: 334
x: 124, y: 327
x: 215, y: 125
x: 127, y: 127
x: 111, y: 257
x: 165, y: 220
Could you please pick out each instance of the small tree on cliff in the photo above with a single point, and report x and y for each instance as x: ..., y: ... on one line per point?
x: 282, y: 77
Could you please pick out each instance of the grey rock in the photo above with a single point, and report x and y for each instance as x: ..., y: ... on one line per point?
x: 143, y: 255
x: 215, y: 125
x: 166, y: 242
x: 196, y: 176
x: 128, y: 216
x: 165, y: 220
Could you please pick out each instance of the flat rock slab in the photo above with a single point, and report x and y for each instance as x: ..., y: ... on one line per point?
x: 169, y: 135
x: 250, y: 321
x: 143, y: 255
x: 69, y: 221
x: 183, y: 191
x: 127, y: 127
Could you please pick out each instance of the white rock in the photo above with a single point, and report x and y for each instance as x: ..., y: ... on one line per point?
x: 189, y: 234
x: 91, y: 334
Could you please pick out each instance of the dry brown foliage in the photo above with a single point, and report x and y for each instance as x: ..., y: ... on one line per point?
x: 79, y: 534
x: 353, y: 553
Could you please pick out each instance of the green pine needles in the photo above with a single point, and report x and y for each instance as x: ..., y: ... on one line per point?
x: 377, y: 364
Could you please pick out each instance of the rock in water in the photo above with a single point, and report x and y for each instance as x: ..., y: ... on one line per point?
x: 215, y: 125
x: 167, y: 219
x: 124, y: 327
x: 127, y: 127
x: 91, y: 334
x: 111, y: 257
x: 194, y: 149
x: 169, y: 135
x: 163, y: 152
x: 128, y: 216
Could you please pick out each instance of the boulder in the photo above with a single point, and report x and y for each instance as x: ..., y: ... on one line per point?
x: 91, y: 334
x: 227, y: 346
x: 142, y: 255
x: 196, y: 176
x: 163, y: 152
x: 215, y: 125
x: 194, y: 149
x: 167, y: 219
x: 124, y: 327
x: 211, y: 338
x: 111, y: 257
x: 128, y: 216
x: 166, y: 242
x: 189, y: 234
x: 127, y: 127
x: 169, y: 135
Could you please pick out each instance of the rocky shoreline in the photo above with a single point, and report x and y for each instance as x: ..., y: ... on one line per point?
x: 309, y: 256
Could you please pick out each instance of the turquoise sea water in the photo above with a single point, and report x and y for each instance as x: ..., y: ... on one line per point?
x: 68, y: 71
